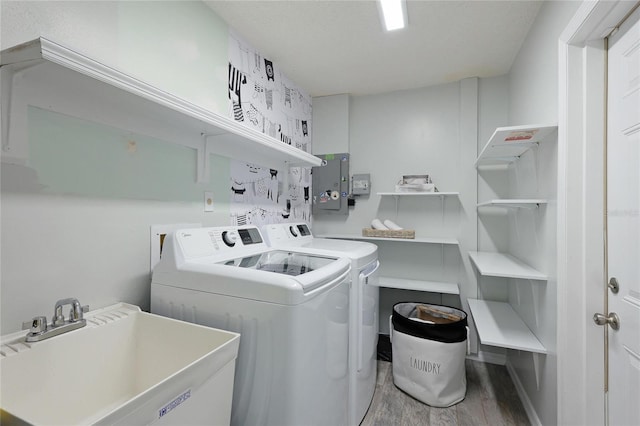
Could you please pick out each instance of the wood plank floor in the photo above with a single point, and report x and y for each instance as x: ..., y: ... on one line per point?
x: 491, y: 400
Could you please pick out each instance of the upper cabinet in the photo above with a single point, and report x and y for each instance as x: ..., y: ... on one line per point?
x: 44, y: 74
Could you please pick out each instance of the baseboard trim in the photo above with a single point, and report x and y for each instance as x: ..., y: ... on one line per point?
x: 526, y: 402
x: 489, y: 357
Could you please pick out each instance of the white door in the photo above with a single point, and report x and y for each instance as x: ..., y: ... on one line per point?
x: 623, y: 222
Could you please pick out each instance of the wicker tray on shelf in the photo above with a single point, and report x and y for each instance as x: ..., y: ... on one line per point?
x: 407, y: 234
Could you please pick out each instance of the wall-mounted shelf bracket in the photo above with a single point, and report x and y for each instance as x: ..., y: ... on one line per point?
x: 204, y: 158
x: 535, y: 294
x: 5, y: 106
x: 536, y: 367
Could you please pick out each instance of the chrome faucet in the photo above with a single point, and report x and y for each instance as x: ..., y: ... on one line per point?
x: 39, y: 329
x: 74, y: 315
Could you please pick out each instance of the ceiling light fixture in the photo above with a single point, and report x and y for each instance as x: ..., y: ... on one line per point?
x: 393, y: 14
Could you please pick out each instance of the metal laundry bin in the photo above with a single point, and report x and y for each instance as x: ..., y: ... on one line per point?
x: 429, y: 345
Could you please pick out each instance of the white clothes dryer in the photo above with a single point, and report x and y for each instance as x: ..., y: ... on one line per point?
x: 363, y: 309
x: 290, y: 307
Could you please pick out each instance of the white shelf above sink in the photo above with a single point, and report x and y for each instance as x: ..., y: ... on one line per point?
x: 499, y: 325
x: 507, y: 144
x: 504, y: 265
x: 61, y: 79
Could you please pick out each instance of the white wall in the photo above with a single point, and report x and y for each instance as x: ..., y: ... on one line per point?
x: 61, y: 239
x: 331, y: 124
x: 158, y: 42
x: 533, y: 99
x: 417, y: 132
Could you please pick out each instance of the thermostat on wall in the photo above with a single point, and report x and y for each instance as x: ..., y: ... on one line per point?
x: 361, y: 184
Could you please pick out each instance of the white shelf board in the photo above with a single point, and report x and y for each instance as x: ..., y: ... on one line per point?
x: 508, y: 143
x: 504, y: 265
x: 68, y: 72
x: 423, y: 194
x: 451, y: 241
x: 514, y: 203
x: 499, y: 325
x: 429, y: 286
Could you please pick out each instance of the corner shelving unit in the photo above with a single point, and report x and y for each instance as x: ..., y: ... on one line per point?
x: 501, y: 326
x: 507, y: 144
x: 58, y: 78
x: 504, y: 265
x: 514, y: 203
x: 497, y: 323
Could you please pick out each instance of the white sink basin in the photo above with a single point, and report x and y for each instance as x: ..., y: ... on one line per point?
x: 124, y: 367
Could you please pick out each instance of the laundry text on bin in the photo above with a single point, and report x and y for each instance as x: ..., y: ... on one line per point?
x: 423, y: 365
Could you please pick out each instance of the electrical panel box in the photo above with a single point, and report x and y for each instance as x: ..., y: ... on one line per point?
x: 361, y: 184
x: 331, y: 184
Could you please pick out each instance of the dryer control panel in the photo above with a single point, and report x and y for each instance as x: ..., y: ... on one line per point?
x: 278, y: 233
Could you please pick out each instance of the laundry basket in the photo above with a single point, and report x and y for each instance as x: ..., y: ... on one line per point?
x: 429, y: 345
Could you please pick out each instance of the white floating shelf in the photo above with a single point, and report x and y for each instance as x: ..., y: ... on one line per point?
x: 429, y: 286
x: 451, y: 241
x: 69, y: 78
x: 514, y: 203
x: 508, y: 143
x: 499, y: 325
x: 423, y: 194
x: 504, y: 265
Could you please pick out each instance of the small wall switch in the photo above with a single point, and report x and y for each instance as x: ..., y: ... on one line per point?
x: 208, y: 201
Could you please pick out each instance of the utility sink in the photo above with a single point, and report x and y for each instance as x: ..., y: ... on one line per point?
x: 124, y: 367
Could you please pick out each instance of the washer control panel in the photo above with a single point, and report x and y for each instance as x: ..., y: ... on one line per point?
x: 203, y: 242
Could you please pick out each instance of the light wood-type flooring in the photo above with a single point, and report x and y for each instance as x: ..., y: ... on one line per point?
x: 491, y: 400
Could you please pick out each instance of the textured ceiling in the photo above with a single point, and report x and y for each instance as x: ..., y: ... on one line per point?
x: 332, y: 47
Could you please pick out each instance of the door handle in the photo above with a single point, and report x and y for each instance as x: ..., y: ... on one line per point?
x: 612, y: 319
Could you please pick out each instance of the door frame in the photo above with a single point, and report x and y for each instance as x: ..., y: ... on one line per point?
x: 580, y: 256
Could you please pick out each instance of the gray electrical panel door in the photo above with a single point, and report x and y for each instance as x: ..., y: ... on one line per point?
x: 331, y: 184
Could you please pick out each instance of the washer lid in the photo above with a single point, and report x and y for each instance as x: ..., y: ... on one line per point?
x: 282, y: 262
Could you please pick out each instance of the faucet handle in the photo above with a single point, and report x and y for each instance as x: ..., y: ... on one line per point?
x: 38, y: 325
x: 75, y: 314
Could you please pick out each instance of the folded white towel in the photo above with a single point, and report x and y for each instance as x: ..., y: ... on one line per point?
x: 392, y: 225
x: 376, y: 224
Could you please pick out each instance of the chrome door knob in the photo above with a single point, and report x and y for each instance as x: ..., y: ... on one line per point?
x: 612, y: 319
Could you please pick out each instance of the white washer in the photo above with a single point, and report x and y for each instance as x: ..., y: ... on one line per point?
x: 363, y: 311
x: 290, y: 307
